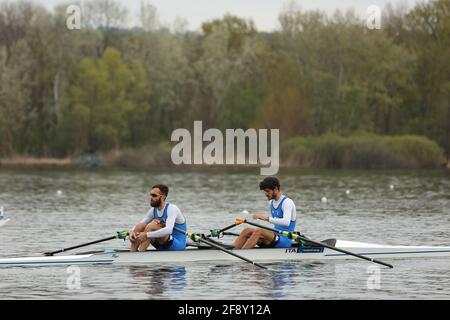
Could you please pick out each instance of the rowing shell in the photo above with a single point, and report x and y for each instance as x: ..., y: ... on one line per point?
x: 210, y: 254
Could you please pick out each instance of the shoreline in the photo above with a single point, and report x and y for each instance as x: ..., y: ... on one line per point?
x: 33, y: 162
x: 24, y: 162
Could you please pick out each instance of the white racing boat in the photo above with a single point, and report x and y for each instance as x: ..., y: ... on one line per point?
x: 202, y: 254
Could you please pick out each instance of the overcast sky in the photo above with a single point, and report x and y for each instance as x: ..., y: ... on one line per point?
x: 263, y: 12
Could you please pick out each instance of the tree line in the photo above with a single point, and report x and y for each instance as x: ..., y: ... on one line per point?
x: 108, y: 86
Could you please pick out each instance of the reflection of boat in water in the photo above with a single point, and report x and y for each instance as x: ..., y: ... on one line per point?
x: 3, y: 219
x: 158, y: 281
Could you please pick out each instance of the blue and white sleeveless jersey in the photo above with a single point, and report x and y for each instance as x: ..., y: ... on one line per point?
x: 171, y: 216
x: 283, y: 214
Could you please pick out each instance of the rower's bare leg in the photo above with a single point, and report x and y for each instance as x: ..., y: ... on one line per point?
x: 243, y: 237
x: 135, y: 244
x: 259, y: 236
x: 150, y: 227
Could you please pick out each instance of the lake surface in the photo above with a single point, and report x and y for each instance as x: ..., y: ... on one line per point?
x: 94, y: 205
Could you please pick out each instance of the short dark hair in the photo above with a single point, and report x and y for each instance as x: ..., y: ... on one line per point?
x: 269, y: 183
x: 163, y: 188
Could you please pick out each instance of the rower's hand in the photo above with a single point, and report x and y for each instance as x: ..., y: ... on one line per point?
x: 133, y: 236
x: 142, y: 236
x: 258, y: 216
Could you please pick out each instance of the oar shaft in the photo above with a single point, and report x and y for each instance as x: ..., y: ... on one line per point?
x: 79, y: 246
x: 231, y: 252
x: 231, y: 234
x: 321, y: 244
x: 212, y: 244
x: 119, y: 235
x: 228, y: 228
x: 222, y: 230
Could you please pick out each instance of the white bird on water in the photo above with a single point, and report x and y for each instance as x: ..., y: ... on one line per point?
x: 3, y: 221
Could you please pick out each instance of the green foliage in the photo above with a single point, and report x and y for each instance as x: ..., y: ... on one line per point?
x: 106, y: 87
x: 240, y: 104
x: 104, y: 95
x: 237, y: 30
x: 362, y: 151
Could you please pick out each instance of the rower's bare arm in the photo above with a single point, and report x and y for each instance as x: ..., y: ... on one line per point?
x: 260, y: 216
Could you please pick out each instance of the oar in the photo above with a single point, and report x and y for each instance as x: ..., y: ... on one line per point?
x: 234, y: 234
x: 296, y: 237
x: 119, y: 235
x: 202, y: 238
x: 216, y: 232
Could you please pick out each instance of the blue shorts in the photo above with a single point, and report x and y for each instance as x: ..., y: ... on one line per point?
x: 174, y: 244
x: 279, y: 242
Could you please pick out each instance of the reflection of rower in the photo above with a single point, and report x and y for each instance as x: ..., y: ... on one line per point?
x: 3, y: 220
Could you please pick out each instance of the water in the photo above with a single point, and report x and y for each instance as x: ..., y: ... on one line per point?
x: 93, y: 205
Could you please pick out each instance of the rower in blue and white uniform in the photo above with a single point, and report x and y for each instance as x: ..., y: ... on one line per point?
x: 157, y: 228
x: 282, y: 214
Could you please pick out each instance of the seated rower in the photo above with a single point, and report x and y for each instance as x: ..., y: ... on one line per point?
x: 157, y: 228
x: 282, y: 215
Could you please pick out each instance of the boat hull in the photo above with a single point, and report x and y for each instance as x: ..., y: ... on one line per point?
x: 208, y: 255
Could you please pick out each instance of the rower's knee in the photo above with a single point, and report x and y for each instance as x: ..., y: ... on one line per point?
x: 247, y: 232
x: 152, y: 227
x: 258, y: 232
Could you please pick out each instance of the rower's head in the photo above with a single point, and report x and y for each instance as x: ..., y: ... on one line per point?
x: 158, y: 195
x: 271, y: 187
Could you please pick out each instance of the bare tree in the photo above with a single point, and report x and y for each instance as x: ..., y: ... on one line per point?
x: 105, y: 14
x: 148, y: 16
x: 15, y: 18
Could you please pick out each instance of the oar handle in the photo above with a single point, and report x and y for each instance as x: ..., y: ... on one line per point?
x: 297, y: 237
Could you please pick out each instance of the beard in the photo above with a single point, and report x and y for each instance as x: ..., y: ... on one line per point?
x: 272, y: 197
x: 156, y: 203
